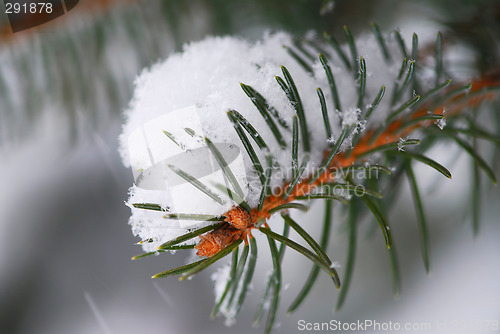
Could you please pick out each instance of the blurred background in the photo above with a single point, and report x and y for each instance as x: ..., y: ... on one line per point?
x: 65, y: 245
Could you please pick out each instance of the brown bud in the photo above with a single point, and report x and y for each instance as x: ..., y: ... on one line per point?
x: 211, y: 243
x: 239, y: 218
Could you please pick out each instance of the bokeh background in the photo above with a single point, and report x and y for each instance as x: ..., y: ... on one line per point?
x: 65, y: 245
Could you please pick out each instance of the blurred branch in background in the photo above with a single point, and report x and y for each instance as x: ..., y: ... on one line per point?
x: 82, y: 65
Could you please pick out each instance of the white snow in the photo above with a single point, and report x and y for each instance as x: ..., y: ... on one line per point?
x: 350, y: 116
x: 206, y: 78
x: 220, y: 279
x: 441, y: 123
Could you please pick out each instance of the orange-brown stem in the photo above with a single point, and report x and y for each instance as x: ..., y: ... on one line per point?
x: 239, y: 224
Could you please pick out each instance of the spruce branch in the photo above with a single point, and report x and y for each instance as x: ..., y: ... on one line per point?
x: 387, y: 145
